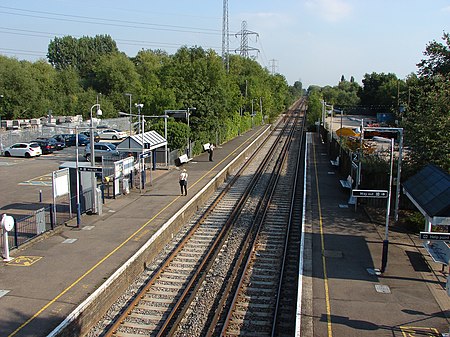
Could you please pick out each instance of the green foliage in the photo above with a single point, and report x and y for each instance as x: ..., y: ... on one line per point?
x: 380, y: 92
x: 314, y: 107
x: 413, y: 221
x: 438, y: 58
x: 82, y: 69
x: 428, y: 118
x: 81, y: 54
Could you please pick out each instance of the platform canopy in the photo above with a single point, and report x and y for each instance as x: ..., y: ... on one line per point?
x: 429, y: 190
x: 151, y: 139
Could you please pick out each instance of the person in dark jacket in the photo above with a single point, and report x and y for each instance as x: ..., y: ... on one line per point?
x: 211, y: 152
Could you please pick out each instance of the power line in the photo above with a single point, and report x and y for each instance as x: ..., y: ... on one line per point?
x: 109, y: 22
x: 35, y: 33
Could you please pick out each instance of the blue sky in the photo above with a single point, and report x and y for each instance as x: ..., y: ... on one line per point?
x: 314, y: 41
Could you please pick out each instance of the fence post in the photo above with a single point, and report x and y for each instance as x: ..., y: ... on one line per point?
x: 52, y: 220
x: 16, y: 236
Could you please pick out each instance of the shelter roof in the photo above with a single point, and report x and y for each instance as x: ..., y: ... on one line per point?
x: 430, y: 191
x: 151, y: 140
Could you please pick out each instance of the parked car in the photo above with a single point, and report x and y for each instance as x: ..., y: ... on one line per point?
x: 46, y: 146
x: 61, y: 138
x: 113, y: 134
x: 57, y: 145
x: 88, y: 134
x: 26, y: 150
x: 82, y: 140
x: 102, y: 149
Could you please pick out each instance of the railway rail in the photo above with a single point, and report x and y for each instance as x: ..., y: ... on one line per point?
x: 227, y: 271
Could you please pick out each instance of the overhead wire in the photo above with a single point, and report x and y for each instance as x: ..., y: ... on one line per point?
x: 108, y: 22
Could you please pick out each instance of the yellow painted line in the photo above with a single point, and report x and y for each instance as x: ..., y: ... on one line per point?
x: 44, y: 180
x: 24, y: 261
x: 325, y: 276
x: 78, y: 280
x: 415, y: 331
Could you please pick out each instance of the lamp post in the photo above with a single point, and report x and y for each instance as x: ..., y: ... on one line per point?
x: 165, y: 127
x: 77, y: 173
x: 93, y: 178
x: 78, y: 179
x: 384, y: 257
x: 189, y: 131
x: 131, y: 118
x: 252, y: 113
x: 139, y: 106
x: 1, y: 113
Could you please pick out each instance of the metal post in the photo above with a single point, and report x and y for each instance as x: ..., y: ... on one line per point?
x: 252, y: 113
x: 261, y: 109
x: 165, y: 136
x: 131, y: 117
x: 143, y: 159
x: 399, y: 171
x: 189, y: 133
x: 141, y: 119
x: 93, y: 178
x: 384, y: 258
x: 78, y: 179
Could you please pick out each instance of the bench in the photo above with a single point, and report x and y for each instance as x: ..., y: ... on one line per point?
x: 182, y: 159
x: 347, y: 183
x: 335, y: 163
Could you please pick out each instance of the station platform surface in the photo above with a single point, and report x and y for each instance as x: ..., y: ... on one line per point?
x: 48, y: 279
x: 343, y: 247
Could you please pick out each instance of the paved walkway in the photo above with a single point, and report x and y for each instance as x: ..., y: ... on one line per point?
x: 342, y: 297
x: 48, y: 279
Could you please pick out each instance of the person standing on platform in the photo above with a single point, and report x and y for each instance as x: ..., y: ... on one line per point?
x: 183, y: 182
x: 211, y: 152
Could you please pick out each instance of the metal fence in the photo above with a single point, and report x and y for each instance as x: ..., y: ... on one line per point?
x: 10, y: 137
x: 48, y: 217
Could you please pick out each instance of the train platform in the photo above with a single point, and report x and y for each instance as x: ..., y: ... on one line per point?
x: 48, y: 279
x: 342, y: 293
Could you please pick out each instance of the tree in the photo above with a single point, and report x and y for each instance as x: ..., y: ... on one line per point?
x: 379, y: 92
x: 438, y: 58
x: 314, y: 107
x: 79, y: 53
x: 428, y: 119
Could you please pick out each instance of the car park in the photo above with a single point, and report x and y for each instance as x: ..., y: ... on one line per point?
x: 46, y: 146
x: 88, y: 134
x: 26, y: 150
x: 102, y: 149
x: 113, y: 134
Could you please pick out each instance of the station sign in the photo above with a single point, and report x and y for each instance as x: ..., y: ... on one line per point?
x: 369, y: 193
x: 145, y: 154
x: 435, y: 236
x: 90, y: 169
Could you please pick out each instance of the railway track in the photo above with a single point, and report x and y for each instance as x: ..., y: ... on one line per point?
x: 191, y: 290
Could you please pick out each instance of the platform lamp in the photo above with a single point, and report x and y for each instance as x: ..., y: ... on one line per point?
x: 139, y: 106
x: 189, y: 131
x: 94, y: 179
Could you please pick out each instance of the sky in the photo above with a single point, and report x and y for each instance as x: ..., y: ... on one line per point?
x: 312, y: 41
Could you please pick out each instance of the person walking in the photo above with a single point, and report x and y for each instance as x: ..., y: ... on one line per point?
x: 211, y: 152
x: 183, y: 182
